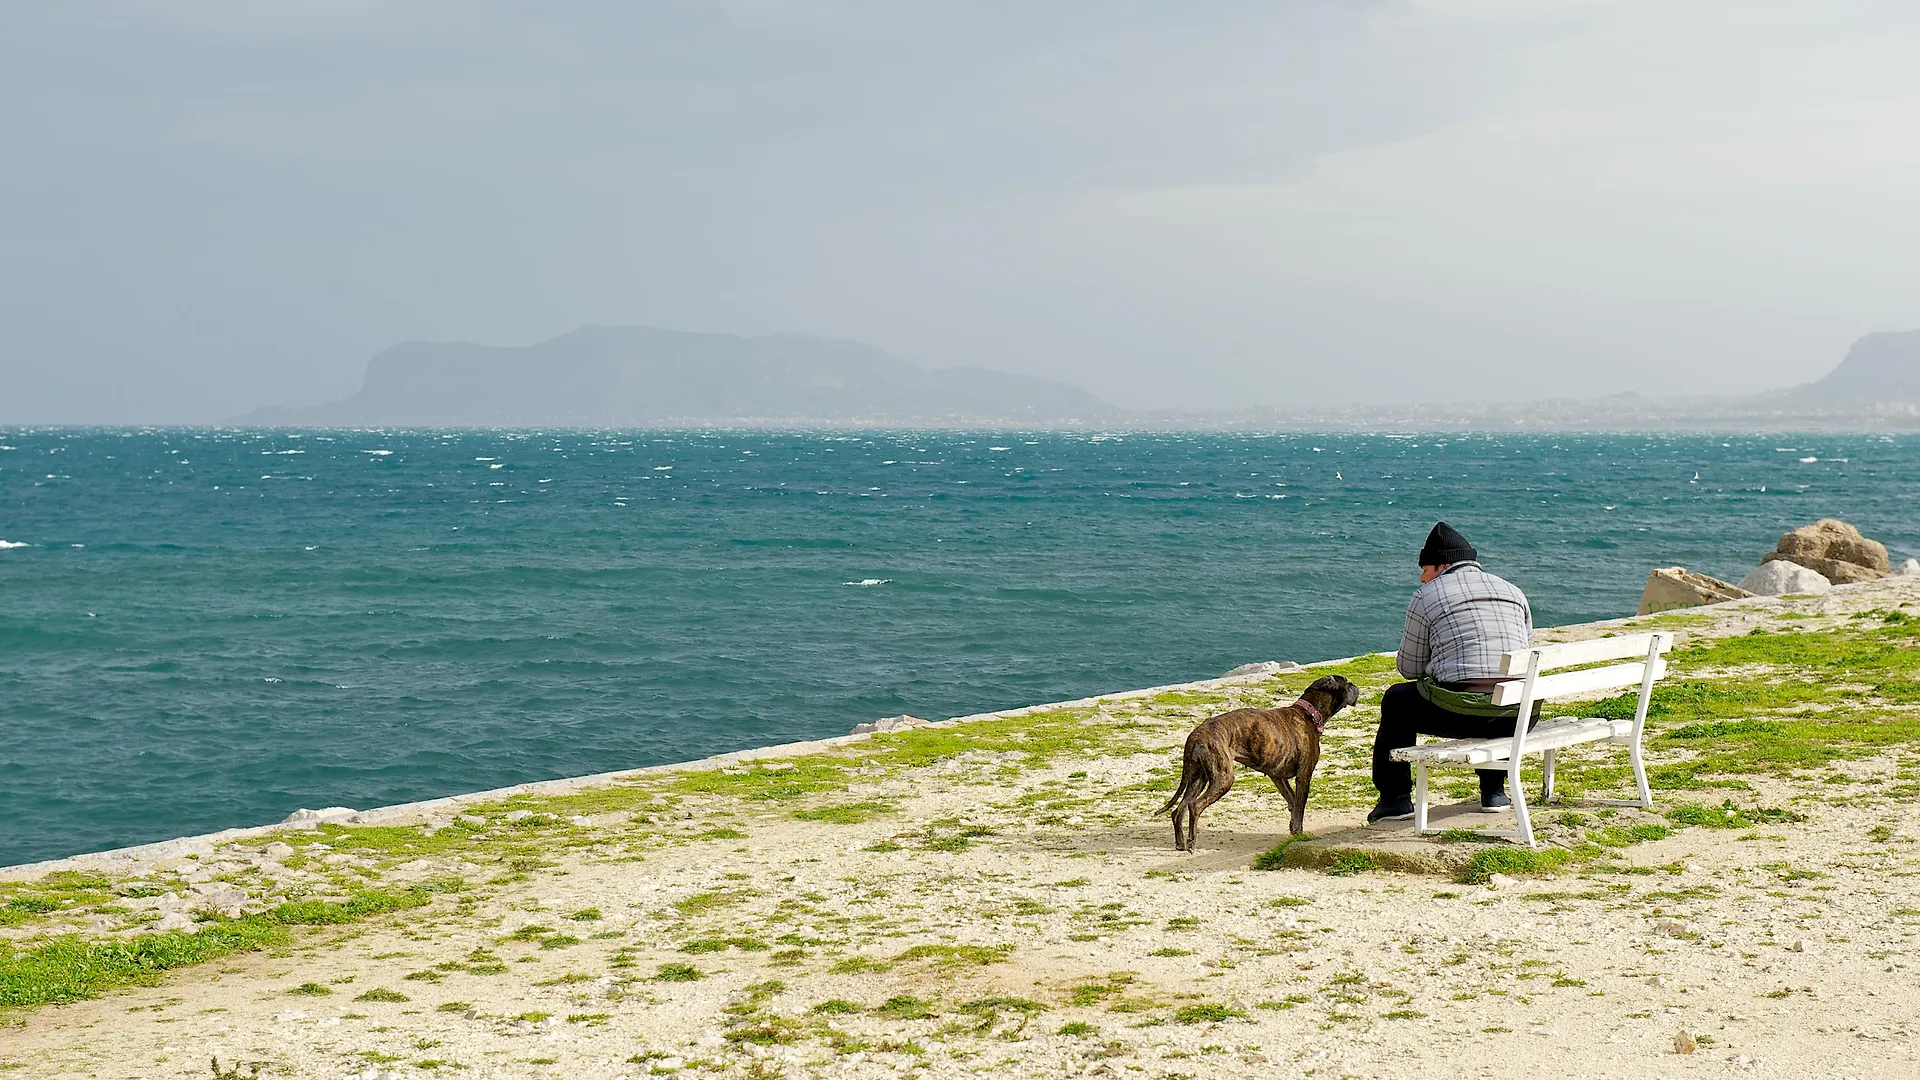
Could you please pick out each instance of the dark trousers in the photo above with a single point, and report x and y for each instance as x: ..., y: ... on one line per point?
x: 1404, y: 716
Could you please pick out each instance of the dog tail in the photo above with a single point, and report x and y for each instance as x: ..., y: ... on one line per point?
x: 1194, y: 780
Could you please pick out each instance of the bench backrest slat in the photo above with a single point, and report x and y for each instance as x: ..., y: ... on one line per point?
x: 1586, y: 681
x: 1576, y: 653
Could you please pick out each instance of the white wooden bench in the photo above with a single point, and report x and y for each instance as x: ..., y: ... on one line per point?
x: 1551, y: 735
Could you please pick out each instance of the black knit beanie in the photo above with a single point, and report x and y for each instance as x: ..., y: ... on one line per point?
x: 1446, y: 545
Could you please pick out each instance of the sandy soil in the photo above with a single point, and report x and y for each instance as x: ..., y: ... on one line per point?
x: 1068, y: 939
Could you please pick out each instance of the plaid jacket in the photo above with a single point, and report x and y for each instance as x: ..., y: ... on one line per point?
x: 1459, y: 623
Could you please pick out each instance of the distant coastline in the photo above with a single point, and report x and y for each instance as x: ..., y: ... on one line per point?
x: 649, y: 378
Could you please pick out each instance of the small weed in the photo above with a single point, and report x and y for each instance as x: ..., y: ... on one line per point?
x: 904, y: 1007
x: 677, y: 973
x: 957, y: 956
x: 381, y: 993
x: 846, y: 813
x: 1207, y: 1013
x: 311, y: 989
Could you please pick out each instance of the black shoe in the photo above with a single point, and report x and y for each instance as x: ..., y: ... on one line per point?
x: 1494, y: 802
x: 1390, y: 810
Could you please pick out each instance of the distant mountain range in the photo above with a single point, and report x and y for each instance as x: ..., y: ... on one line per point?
x: 631, y: 376
x: 1880, y: 369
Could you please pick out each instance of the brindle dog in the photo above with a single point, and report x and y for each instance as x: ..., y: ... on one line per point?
x: 1282, y: 743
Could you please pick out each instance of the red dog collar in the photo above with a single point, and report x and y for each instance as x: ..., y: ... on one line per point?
x: 1319, y: 722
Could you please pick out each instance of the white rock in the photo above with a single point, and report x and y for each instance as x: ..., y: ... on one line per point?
x: 220, y: 897
x: 890, y: 723
x: 1263, y: 667
x: 1780, y: 578
x: 1910, y: 568
x: 522, y: 815
x: 474, y: 820
x: 278, y: 851
x: 1501, y: 881
x: 304, y: 816
x: 174, y: 920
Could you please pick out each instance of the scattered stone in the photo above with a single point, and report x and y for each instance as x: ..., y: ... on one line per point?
x: 1672, y: 928
x: 333, y: 814
x: 474, y: 820
x: 890, y: 723
x: 1672, y: 587
x: 278, y: 851
x: 128, y: 888
x: 1501, y: 881
x: 1797, y: 946
x: 174, y: 920
x: 1684, y: 1043
x: 1910, y: 568
x: 218, y: 896
x: 1781, y: 578
x: 519, y: 815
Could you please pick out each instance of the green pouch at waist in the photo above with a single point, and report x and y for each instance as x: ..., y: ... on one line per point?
x: 1467, y: 703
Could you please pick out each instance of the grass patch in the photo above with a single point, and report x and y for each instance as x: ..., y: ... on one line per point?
x: 846, y: 813
x: 904, y: 1007
x: 73, y: 968
x: 1511, y: 861
x: 1206, y: 1013
x: 703, y: 903
x: 381, y: 993
x: 678, y: 973
x: 956, y: 956
x: 718, y: 944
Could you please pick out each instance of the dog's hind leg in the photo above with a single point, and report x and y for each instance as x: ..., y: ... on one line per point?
x: 1219, y: 781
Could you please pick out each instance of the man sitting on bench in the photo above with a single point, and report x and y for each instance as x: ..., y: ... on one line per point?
x: 1459, y: 623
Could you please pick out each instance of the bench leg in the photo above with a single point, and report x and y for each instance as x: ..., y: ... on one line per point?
x: 1520, y: 815
x: 1546, y: 777
x: 1420, y: 798
x: 1640, y: 776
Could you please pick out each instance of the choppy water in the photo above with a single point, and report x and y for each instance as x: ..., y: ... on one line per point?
x: 201, y: 629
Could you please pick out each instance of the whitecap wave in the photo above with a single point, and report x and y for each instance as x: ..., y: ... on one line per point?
x: 1808, y: 460
x: 869, y: 582
x: 378, y: 453
x: 5, y: 544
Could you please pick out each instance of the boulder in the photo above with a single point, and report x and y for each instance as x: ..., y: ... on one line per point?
x: 890, y: 723
x: 1835, y: 550
x: 1835, y: 571
x: 1677, y: 587
x: 1781, y: 578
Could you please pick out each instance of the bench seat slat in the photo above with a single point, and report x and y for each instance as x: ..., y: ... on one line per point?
x: 1546, y: 735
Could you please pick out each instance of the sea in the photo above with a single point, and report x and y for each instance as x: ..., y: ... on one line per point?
x: 209, y: 628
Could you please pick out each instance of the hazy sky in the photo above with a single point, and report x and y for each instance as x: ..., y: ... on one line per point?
x: 210, y: 205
